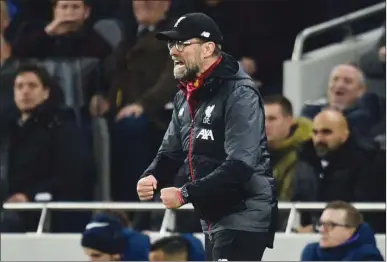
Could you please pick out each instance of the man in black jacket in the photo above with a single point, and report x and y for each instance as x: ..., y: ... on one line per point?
x: 337, y: 165
x: 42, y: 149
x: 216, y: 141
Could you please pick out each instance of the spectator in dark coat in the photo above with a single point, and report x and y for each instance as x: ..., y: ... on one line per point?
x: 345, y: 92
x: 140, y: 83
x: 344, y: 237
x: 42, y: 148
x: 334, y: 165
x: 67, y: 35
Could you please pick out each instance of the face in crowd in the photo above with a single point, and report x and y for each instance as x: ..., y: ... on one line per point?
x: 75, y: 12
x: 335, y: 227
x: 149, y: 12
x: 29, y: 91
x: 278, y: 123
x: 330, y: 131
x: 346, y: 86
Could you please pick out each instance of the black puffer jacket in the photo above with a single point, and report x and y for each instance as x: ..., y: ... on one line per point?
x: 217, y: 142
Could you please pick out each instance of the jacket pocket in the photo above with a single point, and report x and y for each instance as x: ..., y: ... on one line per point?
x: 214, y: 209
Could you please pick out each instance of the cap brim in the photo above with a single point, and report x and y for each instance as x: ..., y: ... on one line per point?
x: 170, y: 35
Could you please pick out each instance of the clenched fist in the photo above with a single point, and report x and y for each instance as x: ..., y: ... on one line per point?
x: 146, y: 187
x: 170, y: 197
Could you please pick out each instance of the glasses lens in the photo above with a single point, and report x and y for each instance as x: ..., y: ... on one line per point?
x: 170, y: 44
x: 179, y: 46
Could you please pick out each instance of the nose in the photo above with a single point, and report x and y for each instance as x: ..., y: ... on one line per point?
x: 340, y: 83
x: 321, y: 229
x: 318, y: 137
x: 173, y: 51
x: 23, y: 90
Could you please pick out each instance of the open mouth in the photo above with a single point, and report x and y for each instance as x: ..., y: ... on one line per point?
x: 178, y: 63
x: 339, y: 92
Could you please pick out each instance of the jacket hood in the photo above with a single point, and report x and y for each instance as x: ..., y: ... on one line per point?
x: 137, y: 245
x: 302, y: 133
x: 229, y: 69
x: 364, y: 235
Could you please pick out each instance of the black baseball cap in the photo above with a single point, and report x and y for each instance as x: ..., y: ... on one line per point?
x: 193, y: 25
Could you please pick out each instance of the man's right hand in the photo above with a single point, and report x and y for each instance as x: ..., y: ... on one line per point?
x: 146, y: 187
x: 59, y: 26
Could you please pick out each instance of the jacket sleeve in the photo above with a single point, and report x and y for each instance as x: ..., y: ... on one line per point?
x: 170, y: 156
x: 244, y: 132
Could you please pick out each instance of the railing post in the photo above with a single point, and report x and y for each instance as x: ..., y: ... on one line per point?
x: 168, y: 216
x: 292, y: 217
x: 42, y: 219
x: 323, y: 27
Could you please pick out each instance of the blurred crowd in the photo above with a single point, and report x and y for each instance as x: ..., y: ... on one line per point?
x: 65, y: 63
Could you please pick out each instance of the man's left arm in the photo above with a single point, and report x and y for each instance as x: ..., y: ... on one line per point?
x: 244, y: 130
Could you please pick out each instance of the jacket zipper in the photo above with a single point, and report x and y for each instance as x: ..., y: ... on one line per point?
x: 190, y: 149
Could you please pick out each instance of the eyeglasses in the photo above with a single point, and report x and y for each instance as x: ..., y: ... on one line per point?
x: 329, y: 225
x: 179, y: 45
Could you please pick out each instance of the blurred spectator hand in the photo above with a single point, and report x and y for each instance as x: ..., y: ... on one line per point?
x: 146, y: 187
x: 135, y: 110
x: 382, y: 54
x: 170, y: 197
x: 98, y: 106
x: 248, y: 65
x: 61, y: 26
x: 18, y: 198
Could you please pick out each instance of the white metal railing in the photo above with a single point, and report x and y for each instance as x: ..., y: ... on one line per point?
x: 323, y: 27
x: 141, y: 206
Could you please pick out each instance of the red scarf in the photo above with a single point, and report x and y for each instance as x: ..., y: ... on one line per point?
x: 192, y: 87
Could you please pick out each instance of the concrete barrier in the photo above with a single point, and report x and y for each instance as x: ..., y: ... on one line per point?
x: 66, y: 247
